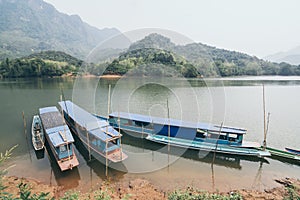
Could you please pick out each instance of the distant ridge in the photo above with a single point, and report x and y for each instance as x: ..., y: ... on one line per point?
x: 29, y: 26
x: 207, y: 60
x: 292, y: 56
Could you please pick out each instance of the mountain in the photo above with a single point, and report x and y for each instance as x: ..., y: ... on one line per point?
x: 29, y: 26
x: 292, y: 56
x: 154, y: 55
x: 207, y: 60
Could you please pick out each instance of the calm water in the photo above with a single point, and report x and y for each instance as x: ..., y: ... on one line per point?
x: 235, y: 102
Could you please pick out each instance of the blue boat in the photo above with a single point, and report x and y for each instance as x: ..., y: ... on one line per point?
x: 99, y: 138
x: 293, y: 151
x: 59, y: 138
x: 200, y: 136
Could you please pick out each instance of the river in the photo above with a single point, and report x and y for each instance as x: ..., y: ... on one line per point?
x: 236, y: 102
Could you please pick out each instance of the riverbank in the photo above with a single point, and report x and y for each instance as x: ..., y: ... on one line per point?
x: 143, y: 189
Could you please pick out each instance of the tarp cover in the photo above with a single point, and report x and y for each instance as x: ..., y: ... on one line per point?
x: 176, y: 122
x: 53, y: 123
x: 94, y: 125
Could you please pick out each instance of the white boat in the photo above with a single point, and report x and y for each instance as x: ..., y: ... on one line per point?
x: 37, y: 133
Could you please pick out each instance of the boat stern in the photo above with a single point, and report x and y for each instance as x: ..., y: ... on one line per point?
x: 116, y: 156
x: 67, y: 164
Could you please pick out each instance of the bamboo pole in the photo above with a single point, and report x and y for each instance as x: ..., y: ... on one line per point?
x: 169, y: 133
x: 169, y: 126
x: 143, y: 137
x: 265, y: 128
x: 24, y: 121
x: 88, y: 143
x: 108, y: 102
x: 214, y: 158
x: 25, y: 133
x: 119, y: 125
x: 106, y: 161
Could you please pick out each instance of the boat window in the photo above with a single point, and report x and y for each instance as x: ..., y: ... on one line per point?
x: 123, y: 121
x: 232, y: 137
x: 63, y: 148
x: 223, y: 136
x: 200, y: 135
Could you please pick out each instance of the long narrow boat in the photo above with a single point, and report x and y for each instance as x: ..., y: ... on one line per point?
x: 200, y: 136
x: 37, y: 133
x: 293, y: 151
x: 283, y: 154
x: 59, y: 138
x: 99, y: 138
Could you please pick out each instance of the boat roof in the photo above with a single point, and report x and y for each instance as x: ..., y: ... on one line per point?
x: 94, y: 125
x: 60, y: 135
x: 51, y: 117
x: 54, y: 126
x: 178, y: 123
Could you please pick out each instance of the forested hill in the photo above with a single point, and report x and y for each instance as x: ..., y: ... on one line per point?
x: 155, y: 55
x: 29, y: 26
x: 48, y: 63
x: 57, y: 56
x: 158, y: 55
x: 212, y: 61
x: 151, y: 62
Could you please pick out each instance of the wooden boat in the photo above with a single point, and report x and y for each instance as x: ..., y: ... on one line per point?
x: 293, y: 151
x: 283, y: 154
x: 200, y: 136
x: 99, y: 138
x: 37, y: 133
x: 59, y: 138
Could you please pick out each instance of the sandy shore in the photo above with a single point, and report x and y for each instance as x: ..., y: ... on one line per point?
x: 141, y: 189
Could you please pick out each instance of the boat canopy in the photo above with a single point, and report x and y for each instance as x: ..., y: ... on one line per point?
x: 60, y: 135
x: 176, y: 122
x: 95, y: 126
x: 51, y: 117
x: 53, y: 123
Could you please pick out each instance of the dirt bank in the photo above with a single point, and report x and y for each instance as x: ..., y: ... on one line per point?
x: 143, y: 189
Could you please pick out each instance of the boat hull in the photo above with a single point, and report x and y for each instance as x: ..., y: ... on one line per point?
x: 283, y: 154
x: 293, y: 151
x: 37, y: 133
x: 208, y: 147
x: 114, y: 156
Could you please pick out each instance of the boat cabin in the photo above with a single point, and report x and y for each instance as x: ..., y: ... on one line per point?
x: 177, y: 128
x: 62, y: 141
x: 96, y: 133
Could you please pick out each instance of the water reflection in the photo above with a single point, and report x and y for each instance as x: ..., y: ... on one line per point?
x: 40, y: 154
x: 68, y: 179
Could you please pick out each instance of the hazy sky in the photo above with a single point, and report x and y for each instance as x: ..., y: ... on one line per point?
x: 256, y: 27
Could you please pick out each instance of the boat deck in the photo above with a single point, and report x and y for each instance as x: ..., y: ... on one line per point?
x: 116, y: 156
x: 67, y: 164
